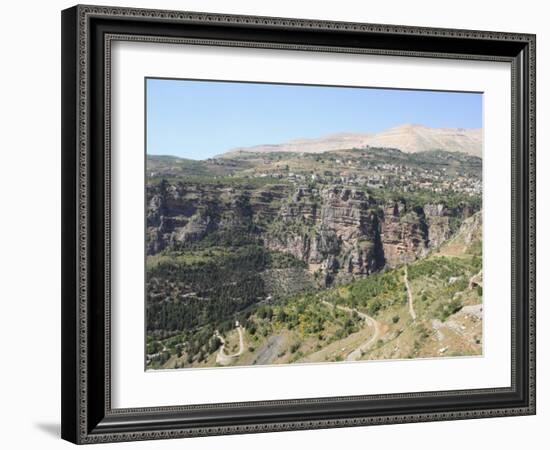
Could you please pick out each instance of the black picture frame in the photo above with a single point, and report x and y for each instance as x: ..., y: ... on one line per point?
x: 87, y: 416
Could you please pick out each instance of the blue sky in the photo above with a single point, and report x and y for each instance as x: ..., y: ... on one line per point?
x: 200, y: 119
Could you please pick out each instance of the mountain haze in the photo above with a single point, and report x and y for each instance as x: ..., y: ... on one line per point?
x: 407, y: 138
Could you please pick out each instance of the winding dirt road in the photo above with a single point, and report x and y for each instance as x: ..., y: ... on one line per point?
x: 222, y: 358
x: 409, y: 294
x: 375, y: 325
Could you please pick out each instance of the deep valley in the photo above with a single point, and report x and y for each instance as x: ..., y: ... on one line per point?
x: 270, y: 257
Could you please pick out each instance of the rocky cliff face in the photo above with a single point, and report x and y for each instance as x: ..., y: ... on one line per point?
x: 404, y: 234
x: 335, y: 230
x: 410, y: 233
x: 338, y: 231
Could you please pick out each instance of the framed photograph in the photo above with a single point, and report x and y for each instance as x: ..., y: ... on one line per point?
x: 279, y: 224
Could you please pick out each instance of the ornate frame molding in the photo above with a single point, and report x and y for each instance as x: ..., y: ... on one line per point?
x: 80, y: 423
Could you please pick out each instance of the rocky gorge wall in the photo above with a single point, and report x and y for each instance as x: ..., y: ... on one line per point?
x: 340, y: 232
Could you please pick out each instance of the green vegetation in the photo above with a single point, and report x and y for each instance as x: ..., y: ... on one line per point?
x: 444, y: 267
x: 307, y: 318
x: 311, y: 318
x: 421, y: 197
x: 370, y: 295
x: 192, y: 289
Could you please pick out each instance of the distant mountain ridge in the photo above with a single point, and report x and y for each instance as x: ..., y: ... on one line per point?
x: 408, y: 138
